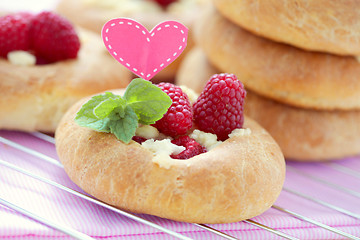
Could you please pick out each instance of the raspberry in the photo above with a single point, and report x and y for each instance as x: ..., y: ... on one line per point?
x: 14, y: 32
x: 139, y: 139
x: 164, y: 3
x: 193, y: 148
x: 53, y: 37
x: 178, y: 119
x: 219, y: 108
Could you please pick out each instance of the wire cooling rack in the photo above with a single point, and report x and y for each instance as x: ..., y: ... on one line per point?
x: 318, y: 201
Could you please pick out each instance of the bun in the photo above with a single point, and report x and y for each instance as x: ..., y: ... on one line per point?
x: 315, y: 25
x: 34, y: 98
x: 302, y: 134
x: 238, y: 179
x: 306, y: 134
x: 278, y: 71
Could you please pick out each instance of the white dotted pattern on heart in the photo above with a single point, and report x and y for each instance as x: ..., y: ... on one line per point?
x: 155, y: 30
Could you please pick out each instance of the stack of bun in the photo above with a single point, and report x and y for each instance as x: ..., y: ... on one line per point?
x: 298, y: 62
x: 93, y: 14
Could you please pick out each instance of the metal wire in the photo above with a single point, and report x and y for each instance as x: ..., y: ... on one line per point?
x: 62, y: 228
x: 206, y: 227
x: 215, y: 231
x: 44, y: 137
x: 323, y: 203
x: 93, y: 200
x: 303, y: 218
x: 31, y: 152
x: 281, y: 234
x: 332, y: 185
x: 343, y: 169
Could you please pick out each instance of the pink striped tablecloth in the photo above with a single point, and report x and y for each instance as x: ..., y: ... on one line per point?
x: 100, y: 223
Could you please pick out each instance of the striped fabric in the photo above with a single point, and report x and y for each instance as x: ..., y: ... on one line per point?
x: 100, y: 223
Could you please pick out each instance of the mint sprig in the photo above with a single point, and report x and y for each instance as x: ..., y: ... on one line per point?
x: 142, y: 103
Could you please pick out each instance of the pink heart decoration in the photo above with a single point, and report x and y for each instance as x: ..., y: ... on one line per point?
x: 142, y: 52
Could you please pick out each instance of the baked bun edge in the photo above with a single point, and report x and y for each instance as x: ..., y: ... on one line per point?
x: 316, y: 25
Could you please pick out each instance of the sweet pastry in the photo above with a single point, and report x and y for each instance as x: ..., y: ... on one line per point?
x: 316, y: 25
x: 303, y: 134
x: 93, y: 14
x: 226, y: 181
x: 278, y: 71
x: 34, y: 97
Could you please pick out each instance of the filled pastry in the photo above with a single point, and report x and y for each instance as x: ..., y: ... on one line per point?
x: 46, y: 65
x: 163, y: 151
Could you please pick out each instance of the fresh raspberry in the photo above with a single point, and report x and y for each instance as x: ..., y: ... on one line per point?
x: 219, y: 108
x: 193, y: 148
x: 139, y: 139
x: 53, y: 37
x: 178, y: 119
x: 164, y: 3
x: 14, y: 32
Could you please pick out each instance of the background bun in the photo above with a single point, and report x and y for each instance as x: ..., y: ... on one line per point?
x: 315, y: 25
x: 279, y: 71
x: 34, y: 98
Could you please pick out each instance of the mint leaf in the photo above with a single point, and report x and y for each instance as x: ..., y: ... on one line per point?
x: 85, y: 117
x: 143, y: 102
x: 124, y: 128
x: 103, y: 109
x: 87, y: 109
x: 99, y: 125
x: 148, y: 101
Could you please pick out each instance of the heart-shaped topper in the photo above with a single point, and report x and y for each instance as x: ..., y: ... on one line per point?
x: 142, y: 52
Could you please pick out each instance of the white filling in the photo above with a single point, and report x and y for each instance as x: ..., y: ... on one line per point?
x: 208, y: 140
x: 21, y: 58
x: 240, y: 132
x: 147, y: 131
x: 162, y: 149
x: 190, y: 93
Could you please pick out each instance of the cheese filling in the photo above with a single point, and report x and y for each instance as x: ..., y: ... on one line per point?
x: 21, y: 58
x: 162, y: 149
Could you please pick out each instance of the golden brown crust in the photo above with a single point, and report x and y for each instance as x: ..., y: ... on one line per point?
x: 302, y: 134
x: 34, y: 98
x: 315, y: 25
x: 238, y: 179
x: 279, y: 71
x: 93, y: 17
